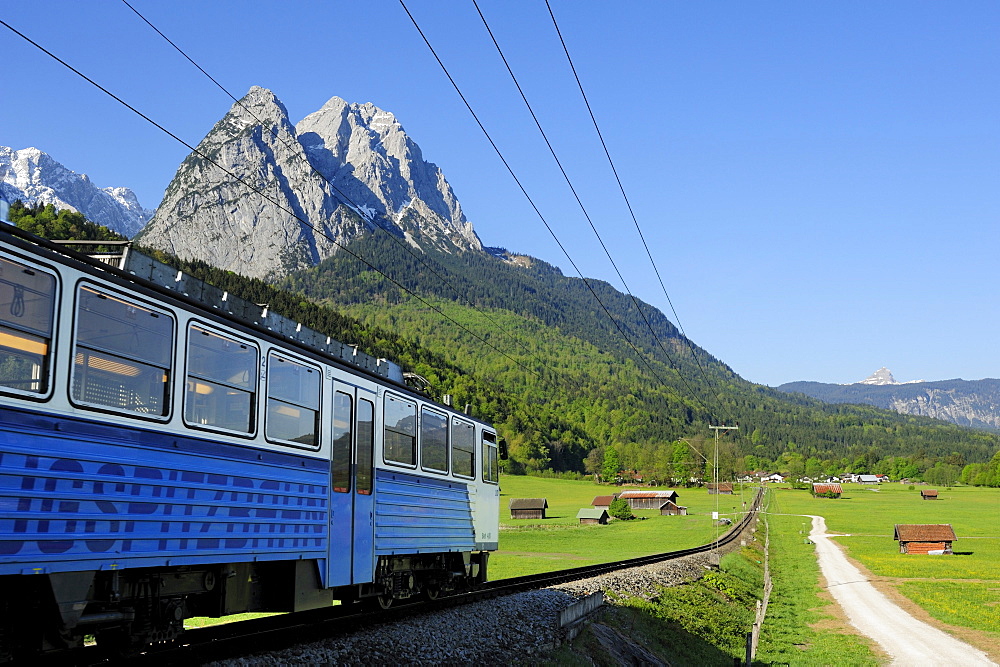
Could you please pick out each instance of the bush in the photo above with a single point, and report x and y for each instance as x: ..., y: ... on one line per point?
x: 620, y: 509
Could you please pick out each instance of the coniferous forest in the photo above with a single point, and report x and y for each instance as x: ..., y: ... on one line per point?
x: 572, y: 389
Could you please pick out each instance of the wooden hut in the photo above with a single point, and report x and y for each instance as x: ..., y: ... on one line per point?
x: 671, y: 508
x: 934, y: 538
x: 820, y: 489
x: 647, y: 500
x: 589, y: 516
x: 929, y: 494
x: 528, y: 508
x: 720, y: 489
x: 603, y: 502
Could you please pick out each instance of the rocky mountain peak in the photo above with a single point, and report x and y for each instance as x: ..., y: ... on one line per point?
x: 33, y: 176
x: 881, y: 376
x: 263, y: 197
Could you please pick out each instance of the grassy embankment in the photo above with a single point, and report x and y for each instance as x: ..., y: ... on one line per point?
x: 529, y: 546
x: 960, y: 592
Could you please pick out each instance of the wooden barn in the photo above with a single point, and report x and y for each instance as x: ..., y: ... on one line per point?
x: 592, y: 516
x: 528, y: 508
x: 647, y: 500
x: 933, y: 538
x: 929, y: 494
x: 671, y: 508
x: 823, y: 488
x: 603, y: 502
x: 720, y: 489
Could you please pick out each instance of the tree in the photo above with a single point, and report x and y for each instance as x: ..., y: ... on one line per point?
x: 612, y: 464
x: 620, y: 509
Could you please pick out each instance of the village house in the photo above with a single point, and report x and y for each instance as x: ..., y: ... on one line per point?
x: 528, y: 508
x: 934, y: 538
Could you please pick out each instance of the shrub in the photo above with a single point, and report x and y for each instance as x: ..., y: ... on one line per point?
x: 620, y: 509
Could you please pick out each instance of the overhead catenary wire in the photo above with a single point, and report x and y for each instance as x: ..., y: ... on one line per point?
x: 621, y: 187
x: 360, y: 210
x: 263, y: 194
x: 583, y: 208
x: 541, y: 217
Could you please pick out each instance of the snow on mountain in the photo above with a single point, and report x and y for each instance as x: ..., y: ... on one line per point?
x: 33, y: 176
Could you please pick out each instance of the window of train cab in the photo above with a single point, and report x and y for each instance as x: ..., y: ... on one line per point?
x: 220, y: 392
x: 122, y: 354
x: 293, y: 407
x: 463, y: 448
x: 491, y: 465
x: 399, y: 441
x: 27, y: 320
x: 433, y: 440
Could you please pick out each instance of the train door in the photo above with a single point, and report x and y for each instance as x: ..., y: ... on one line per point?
x: 364, y: 488
x: 339, y: 561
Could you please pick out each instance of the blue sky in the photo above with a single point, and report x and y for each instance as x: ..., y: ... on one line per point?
x: 817, y: 181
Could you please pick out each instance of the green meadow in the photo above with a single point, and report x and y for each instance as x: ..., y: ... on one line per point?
x: 530, y: 546
x: 962, y: 589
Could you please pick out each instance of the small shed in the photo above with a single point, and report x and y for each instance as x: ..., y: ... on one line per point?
x: 929, y: 494
x: 933, y: 538
x: 647, y: 500
x: 603, y: 502
x: 720, y: 489
x: 528, y: 508
x: 820, y: 489
x: 671, y: 508
x: 868, y: 479
x: 589, y: 516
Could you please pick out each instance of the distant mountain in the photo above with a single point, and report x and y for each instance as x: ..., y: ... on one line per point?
x: 973, y: 403
x: 275, y: 198
x: 33, y: 176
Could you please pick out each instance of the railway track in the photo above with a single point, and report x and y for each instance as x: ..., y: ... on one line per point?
x: 278, y: 632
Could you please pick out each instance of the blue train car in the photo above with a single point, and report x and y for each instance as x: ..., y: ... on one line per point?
x: 167, y: 451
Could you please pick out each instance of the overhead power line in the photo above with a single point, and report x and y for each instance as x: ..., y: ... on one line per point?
x: 264, y: 195
x: 373, y: 219
x: 541, y: 217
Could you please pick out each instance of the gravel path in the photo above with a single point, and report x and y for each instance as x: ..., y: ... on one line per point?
x: 907, y: 640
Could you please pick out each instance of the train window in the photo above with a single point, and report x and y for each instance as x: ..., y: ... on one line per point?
x: 27, y: 298
x: 292, y: 401
x: 340, y: 455
x: 491, y: 467
x: 433, y: 440
x: 463, y: 448
x: 400, y: 437
x: 366, y: 446
x: 122, y: 356
x: 221, y: 381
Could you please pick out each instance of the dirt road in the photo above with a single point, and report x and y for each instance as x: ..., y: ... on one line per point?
x: 907, y: 640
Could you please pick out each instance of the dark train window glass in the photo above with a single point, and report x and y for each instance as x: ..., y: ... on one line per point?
x: 366, y: 446
x: 433, y: 440
x: 221, y: 382
x: 340, y: 453
x: 27, y: 299
x: 292, y: 402
x: 122, y: 356
x: 463, y: 448
x: 491, y: 467
x: 400, y: 436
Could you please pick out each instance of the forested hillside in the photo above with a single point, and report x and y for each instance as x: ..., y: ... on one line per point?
x: 541, y: 359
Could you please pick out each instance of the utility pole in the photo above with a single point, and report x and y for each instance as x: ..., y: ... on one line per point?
x: 723, y: 427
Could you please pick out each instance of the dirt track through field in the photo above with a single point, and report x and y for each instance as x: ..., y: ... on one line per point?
x: 907, y: 640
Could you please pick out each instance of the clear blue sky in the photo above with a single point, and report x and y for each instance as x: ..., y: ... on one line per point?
x: 818, y: 181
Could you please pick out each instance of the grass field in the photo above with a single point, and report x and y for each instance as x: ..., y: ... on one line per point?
x: 962, y: 589
x: 529, y: 546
